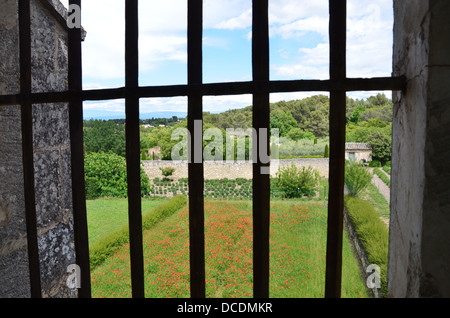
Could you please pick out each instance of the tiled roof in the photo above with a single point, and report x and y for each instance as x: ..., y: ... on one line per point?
x: 357, y: 146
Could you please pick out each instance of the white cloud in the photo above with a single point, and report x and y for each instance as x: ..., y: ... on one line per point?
x: 369, y: 40
x: 224, y: 103
x: 244, y: 20
x: 288, y: 11
x: 173, y: 104
x: 229, y: 14
x: 163, y: 27
x: 301, y: 27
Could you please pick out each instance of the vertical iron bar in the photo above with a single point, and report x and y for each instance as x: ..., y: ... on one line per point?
x: 27, y: 147
x: 261, y: 120
x: 77, y: 158
x: 133, y: 146
x: 338, y: 29
x: 195, y: 165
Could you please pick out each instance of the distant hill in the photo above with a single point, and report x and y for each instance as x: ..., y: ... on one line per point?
x: 107, y: 115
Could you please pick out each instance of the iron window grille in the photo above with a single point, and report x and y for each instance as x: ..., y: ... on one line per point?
x: 260, y: 88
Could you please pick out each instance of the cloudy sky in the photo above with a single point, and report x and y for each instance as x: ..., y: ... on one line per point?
x: 299, y: 46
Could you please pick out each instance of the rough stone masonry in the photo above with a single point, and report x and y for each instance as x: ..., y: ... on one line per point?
x: 51, y: 155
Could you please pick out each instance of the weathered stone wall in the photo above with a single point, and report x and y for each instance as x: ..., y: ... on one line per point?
x: 419, y: 258
x: 51, y: 156
x: 359, y: 155
x: 232, y: 170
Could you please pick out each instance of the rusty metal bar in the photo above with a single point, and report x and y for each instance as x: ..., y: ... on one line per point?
x: 75, y: 83
x: 338, y: 29
x: 27, y: 147
x: 133, y: 146
x: 261, y: 177
x: 195, y: 166
x: 213, y: 89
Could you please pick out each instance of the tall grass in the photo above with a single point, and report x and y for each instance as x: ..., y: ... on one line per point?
x: 372, y: 232
x: 297, y: 255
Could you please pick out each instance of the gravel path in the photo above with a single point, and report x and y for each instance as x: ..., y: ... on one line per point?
x: 382, y: 187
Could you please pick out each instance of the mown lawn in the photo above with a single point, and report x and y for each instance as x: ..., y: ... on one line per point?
x: 297, y: 253
x: 107, y: 215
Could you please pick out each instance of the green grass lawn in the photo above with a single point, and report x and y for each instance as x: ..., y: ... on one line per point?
x: 377, y: 200
x: 107, y: 215
x: 297, y: 247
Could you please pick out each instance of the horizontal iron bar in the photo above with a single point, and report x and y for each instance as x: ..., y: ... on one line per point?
x: 215, y: 89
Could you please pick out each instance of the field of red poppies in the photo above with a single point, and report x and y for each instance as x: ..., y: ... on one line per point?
x: 297, y: 255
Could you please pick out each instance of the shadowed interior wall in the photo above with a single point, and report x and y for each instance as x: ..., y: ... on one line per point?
x: 419, y: 255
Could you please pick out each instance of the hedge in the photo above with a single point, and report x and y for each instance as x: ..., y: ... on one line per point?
x: 382, y: 176
x: 372, y: 232
x: 107, y: 245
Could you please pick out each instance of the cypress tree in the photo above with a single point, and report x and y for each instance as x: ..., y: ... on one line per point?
x: 326, y: 153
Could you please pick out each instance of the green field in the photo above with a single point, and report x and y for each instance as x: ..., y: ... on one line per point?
x: 107, y: 215
x: 297, y: 252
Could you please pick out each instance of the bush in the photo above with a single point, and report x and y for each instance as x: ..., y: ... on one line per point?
x: 372, y: 233
x: 167, y: 172
x: 382, y: 176
x: 296, y: 182
x: 357, y: 178
x: 106, y: 246
x: 106, y: 176
x: 374, y: 164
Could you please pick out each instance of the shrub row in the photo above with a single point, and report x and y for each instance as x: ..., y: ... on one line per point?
x: 107, y: 245
x: 372, y: 233
x: 387, y: 169
x: 382, y: 176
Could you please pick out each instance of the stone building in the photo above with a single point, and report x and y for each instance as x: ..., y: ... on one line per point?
x: 51, y: 154
x: 358, y: 151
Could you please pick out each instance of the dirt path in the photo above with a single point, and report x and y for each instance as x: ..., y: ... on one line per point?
x: 382, y: 187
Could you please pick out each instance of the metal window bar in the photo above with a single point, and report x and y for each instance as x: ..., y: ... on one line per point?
x: 260, y: 87
x: 261, y: 120
x: 195, y: 165
x: 77, y: 157
x: 133, y: 144
x: 27, y: 146
x: 337, y: 34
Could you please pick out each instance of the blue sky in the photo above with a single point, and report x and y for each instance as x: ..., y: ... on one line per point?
x: 298, y: 46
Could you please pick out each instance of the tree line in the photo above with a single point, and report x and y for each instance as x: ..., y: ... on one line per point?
x: 301, y: 123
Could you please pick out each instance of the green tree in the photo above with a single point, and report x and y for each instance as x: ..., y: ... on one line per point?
x: 356, y: 115
x: 106, y: 175
x: 298, y: 133
x: 284, y: 122
x: 326, y: 153
x: 104, y: 136
x: 317, y: 123
x: 357, y: 178
x: 381, y: 145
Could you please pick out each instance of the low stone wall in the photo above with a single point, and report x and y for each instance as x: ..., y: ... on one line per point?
x: 230, y: 170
